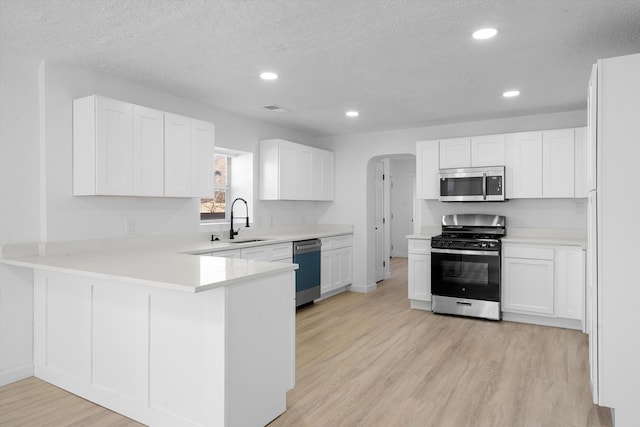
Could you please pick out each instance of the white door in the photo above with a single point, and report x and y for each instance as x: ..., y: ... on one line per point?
x: 592, y: 293
x: 148, y: 152
x: 558, y: 151
x: 487, y: 150
x: 177, y: 156
x: 202, y: 158
x: 455, y: 153
x: 427, y: 168
x: 401, y: 204
x: 114, y: 147
x: 523, y: 158
x: 379, y: 221
x: 288, y: 170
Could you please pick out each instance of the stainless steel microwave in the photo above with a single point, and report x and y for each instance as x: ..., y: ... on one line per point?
x: 482, y: 184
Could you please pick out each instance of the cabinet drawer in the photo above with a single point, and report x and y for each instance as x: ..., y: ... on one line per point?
x: 419, y: 246
x: 530, y: 252
x: 258, y: 253
x: 343, y: 241
x: 233, y: 253
x: 281, y: 251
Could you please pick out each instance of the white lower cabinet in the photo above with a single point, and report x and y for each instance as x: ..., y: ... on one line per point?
x: 419, y: 269
x: 336, y: 259
x: 232, y: 253
x: 545, y: 281
x: 528, y: 285
x: 570, y: 282
x: 326, y: 280
x: 341, y: 270
x: 165, y: 357
x: 276, y: 252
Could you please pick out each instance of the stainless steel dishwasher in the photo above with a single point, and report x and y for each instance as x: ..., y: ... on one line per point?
x: 306, y: 253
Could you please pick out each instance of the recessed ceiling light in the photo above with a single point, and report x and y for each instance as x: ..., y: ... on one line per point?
x: 268, y: 76
x: 352, y: 114
x: 511, y: 93
x: 484, y: 33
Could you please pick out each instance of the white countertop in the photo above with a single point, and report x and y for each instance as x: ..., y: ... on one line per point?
x: 165, y: 262
x: 543, y: 236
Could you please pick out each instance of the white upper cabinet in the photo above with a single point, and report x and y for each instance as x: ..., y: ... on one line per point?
x: 148, y: 152
x: 592, y: 119
x: 304, y: 173
x: 122, y: 149
x: 189, y: 155
x: 541, y: 164
x: 427, y: 166
x: 323, y: 166
x: 202, y: 158
x: 177, y: 159
x: 487, y: 150
x: 291, y: 171
x: 102, y: 147
x: 455, y: 153
x: 580, y: 162
x: 523, y: 161
x: 558, y: 169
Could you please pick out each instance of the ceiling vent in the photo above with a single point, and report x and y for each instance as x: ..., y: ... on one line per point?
x: 276, y: 108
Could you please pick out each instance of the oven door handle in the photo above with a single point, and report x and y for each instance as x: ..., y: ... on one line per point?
x: 462, y: 252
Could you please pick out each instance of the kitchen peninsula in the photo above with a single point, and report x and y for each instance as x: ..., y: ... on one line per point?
x: 161, y: 335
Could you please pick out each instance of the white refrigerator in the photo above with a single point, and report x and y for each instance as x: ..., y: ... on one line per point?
x: 613, y: 253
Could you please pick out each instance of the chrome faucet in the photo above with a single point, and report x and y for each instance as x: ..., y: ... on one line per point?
x: 231, y: 231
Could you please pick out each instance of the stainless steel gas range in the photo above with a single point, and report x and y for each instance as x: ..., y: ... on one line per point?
x: 466, y: 266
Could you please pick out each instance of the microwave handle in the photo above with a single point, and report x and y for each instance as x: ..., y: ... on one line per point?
x: 484, y: 186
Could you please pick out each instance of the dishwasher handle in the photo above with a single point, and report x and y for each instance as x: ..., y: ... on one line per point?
x: 305, y: 246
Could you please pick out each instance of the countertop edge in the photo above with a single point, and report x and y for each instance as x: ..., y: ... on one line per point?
x: 281, y: 268
x: 55, y: 262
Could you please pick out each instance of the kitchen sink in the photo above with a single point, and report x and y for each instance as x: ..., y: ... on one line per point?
x: 244, y: 240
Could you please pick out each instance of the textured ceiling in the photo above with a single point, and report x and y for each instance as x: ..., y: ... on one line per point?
x: 401, y: 63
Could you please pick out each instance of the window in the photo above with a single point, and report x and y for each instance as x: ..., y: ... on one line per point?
x: 233, y: 177
x: 216, y: 208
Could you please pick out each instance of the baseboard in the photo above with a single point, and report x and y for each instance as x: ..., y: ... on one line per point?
x: 363, y: 289
x: 17, y: 374
x: 557, y: 322
x: 420, y: 305
x: 332, y: 293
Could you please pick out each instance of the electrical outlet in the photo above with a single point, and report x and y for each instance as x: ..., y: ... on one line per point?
x: 130, y: 227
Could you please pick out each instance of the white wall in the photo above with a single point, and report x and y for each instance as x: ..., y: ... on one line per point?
x: 19, y: 209
x: 78, y: 218
x: 353, y: 153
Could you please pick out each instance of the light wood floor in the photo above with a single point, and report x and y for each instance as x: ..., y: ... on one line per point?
x: 369, y: 360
